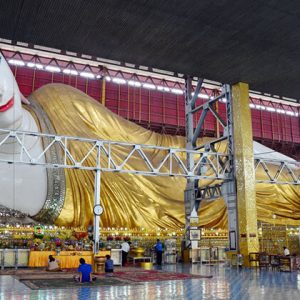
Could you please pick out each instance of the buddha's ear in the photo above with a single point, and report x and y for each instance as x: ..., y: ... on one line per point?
x: 24, y: 100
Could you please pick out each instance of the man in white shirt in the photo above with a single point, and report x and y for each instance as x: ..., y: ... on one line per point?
x: 286, y: 251
x: 125, y: 249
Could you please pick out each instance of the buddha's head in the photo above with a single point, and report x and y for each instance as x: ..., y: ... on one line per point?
x: 10, y: 98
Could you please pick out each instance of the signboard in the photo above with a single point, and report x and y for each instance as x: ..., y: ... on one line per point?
x: 195, y: 234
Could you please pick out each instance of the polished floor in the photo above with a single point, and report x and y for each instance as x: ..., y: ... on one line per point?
x: 227, y: 283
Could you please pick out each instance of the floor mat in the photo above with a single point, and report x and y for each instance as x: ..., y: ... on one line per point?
x: 64, y: 283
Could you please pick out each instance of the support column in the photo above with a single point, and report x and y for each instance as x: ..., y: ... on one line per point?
x: 97, y: 217
x: 189, y: 193
x: 97, y: 190
x: 103, y: 94
x: 244, y: 171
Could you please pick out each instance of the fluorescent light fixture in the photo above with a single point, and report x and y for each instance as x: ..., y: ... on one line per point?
x: 177, y: 91
x: 251, y: 105
x: 163, y: 88
x: 33, y: 65
x: 149, y: 86
x: 290, y: 113
x: 98, y: 76
x: 53, y: 69
x: 39, y: 66
x: 270, y: 109
x: 280, y: 111
x: 134, y: 83
x: 87, y: 75
x: 261, y: 107
x: 119, y: 80
x: 16, y: 62
x: 70, y: 72
x: 107, y: 78
x: 203, y: 96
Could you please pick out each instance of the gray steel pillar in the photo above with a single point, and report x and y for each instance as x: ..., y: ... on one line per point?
x: 229, y: 187
x: 189, y: 193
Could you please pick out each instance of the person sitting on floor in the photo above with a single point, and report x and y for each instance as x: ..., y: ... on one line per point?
x: 85, y: 272
x: 53, y: 264
x: 109, y: 265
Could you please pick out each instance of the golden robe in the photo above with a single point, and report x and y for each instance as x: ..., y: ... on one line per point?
x: 136, y: 201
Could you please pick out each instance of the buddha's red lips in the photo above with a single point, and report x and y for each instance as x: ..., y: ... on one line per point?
x: 8, y: 105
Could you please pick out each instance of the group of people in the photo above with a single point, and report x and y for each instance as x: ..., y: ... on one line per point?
x: 158, y: 247
x: 85, y: 270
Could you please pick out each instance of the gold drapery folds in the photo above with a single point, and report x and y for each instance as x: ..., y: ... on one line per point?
x: 136, y: 201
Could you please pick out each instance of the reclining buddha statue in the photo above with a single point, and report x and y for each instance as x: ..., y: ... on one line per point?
x: 65, y: 197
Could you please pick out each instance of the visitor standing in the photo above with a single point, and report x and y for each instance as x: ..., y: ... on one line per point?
x: 286, y: 251
x: 125, y: 249
x: 159, y: 251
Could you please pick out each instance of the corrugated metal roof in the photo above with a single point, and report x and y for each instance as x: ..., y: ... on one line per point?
x: 252, y: 41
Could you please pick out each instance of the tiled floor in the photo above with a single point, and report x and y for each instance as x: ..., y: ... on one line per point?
x: 226, y: 283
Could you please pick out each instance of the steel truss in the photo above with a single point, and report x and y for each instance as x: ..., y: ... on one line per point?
x: 276, y: 171
x: 209, y: 193
x: 270, y: 171
x: 110, y: 156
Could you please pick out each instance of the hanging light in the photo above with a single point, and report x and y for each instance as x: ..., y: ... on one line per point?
x: 70, y: 72
x: 119, y: 80
x: 16, y: 62
x: 134, y: 83
x: 53, y: 69
x: 33, y: 65
x: 87, y: 75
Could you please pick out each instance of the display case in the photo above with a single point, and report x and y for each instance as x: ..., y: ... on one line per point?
x: 22, y: 257
x: 116, y: 256
x: 204, y: 254
x: 208, y: 255
x: 254, y: 259
x: 14, y: 258
x: 195, y: 255
x: 211, y: 255
x: 264, y: 260
x: 170, y: 255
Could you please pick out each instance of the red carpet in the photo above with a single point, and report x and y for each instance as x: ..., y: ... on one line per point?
x: 134, y: 275
x: 154, y: 275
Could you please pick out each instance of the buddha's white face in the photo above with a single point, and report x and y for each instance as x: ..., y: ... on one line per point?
x: 10, y: 98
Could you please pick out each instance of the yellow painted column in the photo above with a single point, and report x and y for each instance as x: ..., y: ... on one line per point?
x: 244, y: 171
x: 103, y: 96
